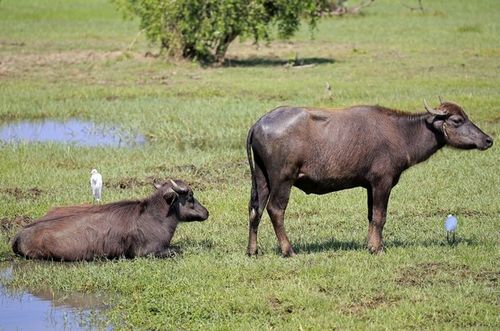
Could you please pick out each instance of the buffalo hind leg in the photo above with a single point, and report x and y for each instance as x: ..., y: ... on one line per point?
x: 258, y: 201
x: 378, y: 198
x: 278, y: 201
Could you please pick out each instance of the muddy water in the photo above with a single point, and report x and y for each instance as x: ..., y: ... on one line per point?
x: 70, y: 132
x: 46, y: 310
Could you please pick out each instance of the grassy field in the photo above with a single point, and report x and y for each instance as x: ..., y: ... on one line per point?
x: 70, y: 59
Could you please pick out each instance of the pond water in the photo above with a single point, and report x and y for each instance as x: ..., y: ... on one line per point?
x: 46, y: 310
x: 73, y: 131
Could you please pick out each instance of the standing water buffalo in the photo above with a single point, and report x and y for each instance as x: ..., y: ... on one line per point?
x: 121, y: 229
x: 322, y: 151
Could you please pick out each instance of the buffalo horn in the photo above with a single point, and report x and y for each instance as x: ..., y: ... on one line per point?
x: 432, y: 110
x: 177, y: 188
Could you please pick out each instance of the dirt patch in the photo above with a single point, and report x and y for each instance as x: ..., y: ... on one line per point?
x: 323, y: 289
x: 28, y: 194
x: 419, y: 274
x: 487, y: 276
x: 206, y: 176
x: 198, y: 177
x: 431, y: 273
x: 7, y: 225
x: 112, y: 98
x: 274, y: 302
x: 184, y: 168
x: 12, y: 43
x: 443, y: 273
x: 279, y: 306
x: 368, y: 304
x: 70, y: 57
x: 131, y: 182
x: 22, y: 62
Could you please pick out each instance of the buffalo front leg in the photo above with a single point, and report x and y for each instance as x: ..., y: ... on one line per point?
x: 378, y: 198
x: 168, y: 252
x: 278, y: 201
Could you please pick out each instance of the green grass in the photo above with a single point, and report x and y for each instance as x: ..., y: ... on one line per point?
x: 61, y: 60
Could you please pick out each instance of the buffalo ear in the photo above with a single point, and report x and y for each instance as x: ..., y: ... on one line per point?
x: 157, y: 186
x: 435, y: 121
x: 170, y: 197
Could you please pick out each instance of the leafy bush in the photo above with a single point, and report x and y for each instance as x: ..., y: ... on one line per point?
x: 204, y: 29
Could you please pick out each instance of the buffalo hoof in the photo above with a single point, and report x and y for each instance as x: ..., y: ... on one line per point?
x: 289, y: 253
x: 376, y: 250
x: 252, y: 252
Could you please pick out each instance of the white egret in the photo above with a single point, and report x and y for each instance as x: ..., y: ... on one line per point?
x: 96, y: 185
x: 450, y: 225
x: 328, y: 89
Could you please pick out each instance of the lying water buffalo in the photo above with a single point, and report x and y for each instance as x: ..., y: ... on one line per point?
x: 121, y: 229
x: 321, y: 151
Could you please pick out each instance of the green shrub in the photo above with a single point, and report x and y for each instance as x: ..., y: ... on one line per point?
x: 204, y: 29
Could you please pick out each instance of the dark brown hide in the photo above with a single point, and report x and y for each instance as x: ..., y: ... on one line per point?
x: 121, y: 229
x: 321, y: 151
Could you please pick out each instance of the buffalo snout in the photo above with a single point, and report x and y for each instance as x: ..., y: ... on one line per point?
x: 488, y: 142
x: 200, y: 213
x: 483, y: 141
x: 192, y: 210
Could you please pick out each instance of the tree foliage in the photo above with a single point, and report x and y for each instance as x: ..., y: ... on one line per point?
x: 204, y: 29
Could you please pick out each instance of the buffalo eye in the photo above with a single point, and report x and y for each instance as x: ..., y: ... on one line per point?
x: 456, y: 120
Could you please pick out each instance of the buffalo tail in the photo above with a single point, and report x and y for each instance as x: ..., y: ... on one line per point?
x: 253, y: 197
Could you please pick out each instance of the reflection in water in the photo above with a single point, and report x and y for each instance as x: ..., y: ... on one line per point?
x: 72, y: 132
x: 46, y: 310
